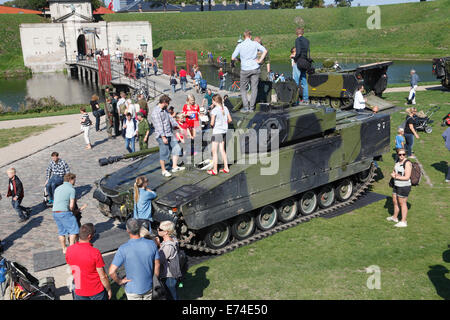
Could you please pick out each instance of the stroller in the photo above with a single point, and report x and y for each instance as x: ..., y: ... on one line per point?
x: 17, y: 284
x: 423, y: 120
x: 203, y: 85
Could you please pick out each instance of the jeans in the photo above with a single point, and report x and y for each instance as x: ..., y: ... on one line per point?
x: 127, y: 144
x: 99, y: 296
x: 156, y: 70
x: 296, y: 74
x: 409, y: 137
x: 19, y: 209
x: 54, y: 182
x: 251, y: 76
x: 304, y: 84
x: 173, y: 88
x: 183, y: 82
x: 221, y: 84
x: 97, y: 116
x: 170, y: 285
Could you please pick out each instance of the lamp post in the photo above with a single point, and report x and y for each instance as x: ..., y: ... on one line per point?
x: 144, y: 45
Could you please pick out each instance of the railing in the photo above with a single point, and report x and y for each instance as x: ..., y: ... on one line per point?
x: 142, y: 85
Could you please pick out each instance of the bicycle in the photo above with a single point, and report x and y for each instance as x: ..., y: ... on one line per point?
x: 235, y: 86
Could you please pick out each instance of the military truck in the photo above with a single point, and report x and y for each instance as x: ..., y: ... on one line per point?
x: 318, y: 159
x: 337, y: 88
x: 441, y: 69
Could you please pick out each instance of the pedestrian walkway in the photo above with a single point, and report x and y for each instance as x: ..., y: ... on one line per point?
x: 419, y: 88
x: 68, y: 126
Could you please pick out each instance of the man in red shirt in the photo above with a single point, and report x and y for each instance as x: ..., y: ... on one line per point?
x: 183, y: 78
x: 86, y: 262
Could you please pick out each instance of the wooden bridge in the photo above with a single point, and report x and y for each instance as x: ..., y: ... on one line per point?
x: 89, y: 71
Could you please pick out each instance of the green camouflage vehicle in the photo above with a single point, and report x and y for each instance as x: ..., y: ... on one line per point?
x: 319, y: 159
x: 336, y: 88
x: 441, y: 69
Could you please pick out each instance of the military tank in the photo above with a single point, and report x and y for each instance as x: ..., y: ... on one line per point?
x: 441, y: 69
x: 288, y: 164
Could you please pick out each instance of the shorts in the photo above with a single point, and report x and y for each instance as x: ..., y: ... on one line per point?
x: 218, y: 137
x: 165, y: 149
x: 66, y: 223
x: 401, y: 192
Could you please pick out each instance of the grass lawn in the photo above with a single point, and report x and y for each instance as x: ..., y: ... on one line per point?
x: 48, y: 112
x: 13, y: 135
x: 327, y: 259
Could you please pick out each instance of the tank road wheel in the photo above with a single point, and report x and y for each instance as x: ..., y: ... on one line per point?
x: 307, y: 203
x: 344, y: 190
x: 364, y: 176
x: 287, y: 210
x: 266, y: 218
x: 218, y: 235
x: 335, y: 103
x: 326, y: 197
x: 243, y: 226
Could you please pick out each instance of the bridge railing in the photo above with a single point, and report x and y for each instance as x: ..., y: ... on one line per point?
x: 144, y: 85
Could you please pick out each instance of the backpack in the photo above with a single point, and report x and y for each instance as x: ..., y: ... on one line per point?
x: 173, y: 81
x: 416, y: 173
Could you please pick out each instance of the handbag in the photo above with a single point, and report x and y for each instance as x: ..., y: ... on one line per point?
x: 305, y: 63
x: 391, y: 183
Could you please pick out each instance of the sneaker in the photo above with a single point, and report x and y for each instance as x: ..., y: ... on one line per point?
x: 166, y: 173
x: 401, y: 224
x: 392, y: 219
x: 245, y: 110
x: 178, y: 169
x: 50, y: 201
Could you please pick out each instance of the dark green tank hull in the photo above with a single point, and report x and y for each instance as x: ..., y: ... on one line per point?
x: 323, y: 160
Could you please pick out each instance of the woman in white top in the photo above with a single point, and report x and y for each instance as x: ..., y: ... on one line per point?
x: 220, y: 118
x: 359, y: 102
x: 402, y: 187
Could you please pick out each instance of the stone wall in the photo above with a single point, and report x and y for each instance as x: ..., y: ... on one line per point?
x: 47, y: 46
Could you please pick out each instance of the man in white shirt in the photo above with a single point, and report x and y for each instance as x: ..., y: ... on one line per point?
x: 250, y: 68
x: 359, y: 102
x: 130, y: 126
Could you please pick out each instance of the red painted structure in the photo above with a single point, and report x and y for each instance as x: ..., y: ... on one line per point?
x: 191, y: 60
x: 104, y: 70
x: 129, y: 67
x: 169, y: 62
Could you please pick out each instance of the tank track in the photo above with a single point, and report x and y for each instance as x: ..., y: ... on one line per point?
x: 360, y: 189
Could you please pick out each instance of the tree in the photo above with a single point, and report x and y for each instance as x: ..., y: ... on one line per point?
x: 312, y: 3
x: 284, y: 4
x: 27, y: 4
x: 343, y: 3
x: 97, y: 4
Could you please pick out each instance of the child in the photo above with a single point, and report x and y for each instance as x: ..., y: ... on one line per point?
x: 15, y: 190
x: 400, y: 141
x: 192, y: 110
x: 85, y: 126
x: 182, y: 130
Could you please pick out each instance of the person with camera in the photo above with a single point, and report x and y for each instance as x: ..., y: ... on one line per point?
x: 301, y: 55
x: 170, y: 270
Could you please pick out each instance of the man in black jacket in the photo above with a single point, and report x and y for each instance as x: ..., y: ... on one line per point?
x: 15, y: 190
x: 301, y: 51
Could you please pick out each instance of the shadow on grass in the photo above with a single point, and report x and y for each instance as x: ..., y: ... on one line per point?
x: 441, y: 166
x: 194, y: 284
x: 389, y: 205
x: 437, y: 276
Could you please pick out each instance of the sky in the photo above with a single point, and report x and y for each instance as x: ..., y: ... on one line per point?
x: 355, y: 2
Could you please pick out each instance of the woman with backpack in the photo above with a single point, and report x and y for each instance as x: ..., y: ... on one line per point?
x: 170, y: 270
x: 401, y: 188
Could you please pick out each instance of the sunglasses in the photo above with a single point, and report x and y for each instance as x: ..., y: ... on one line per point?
x: 159, y: 229
x: 401, y: 154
